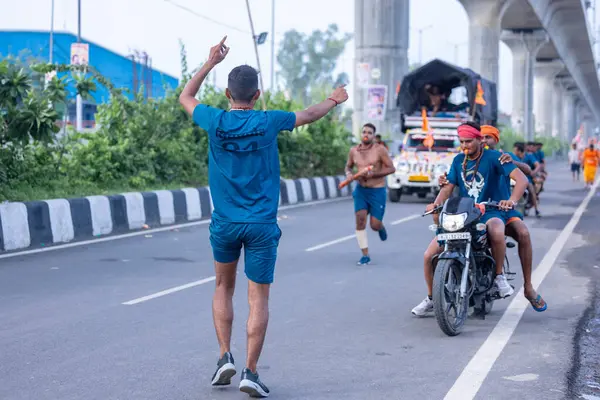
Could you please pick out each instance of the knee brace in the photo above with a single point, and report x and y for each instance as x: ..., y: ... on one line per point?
x: 361, y: 237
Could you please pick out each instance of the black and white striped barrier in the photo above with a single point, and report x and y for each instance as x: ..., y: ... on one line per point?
x: 48, y: 222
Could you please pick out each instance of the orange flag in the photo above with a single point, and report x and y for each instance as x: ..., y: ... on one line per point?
x: 479, y: 95
x: 428, y: 141
x: 425, y: 123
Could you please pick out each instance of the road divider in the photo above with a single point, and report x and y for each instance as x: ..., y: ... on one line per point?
x: 40, y: 224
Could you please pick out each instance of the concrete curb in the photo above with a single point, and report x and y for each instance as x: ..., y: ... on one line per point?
x: 44, y: 223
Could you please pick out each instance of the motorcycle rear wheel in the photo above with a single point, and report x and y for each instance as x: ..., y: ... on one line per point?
x: 446, y: 297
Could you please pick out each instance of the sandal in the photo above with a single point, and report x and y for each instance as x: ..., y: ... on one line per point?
x: 538, y: 303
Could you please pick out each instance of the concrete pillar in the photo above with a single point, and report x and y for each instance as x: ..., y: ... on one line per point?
x: 572, y: 126
x: 524, y: 46
x: 588, y: 127
x: 558, y: 128
x: 381, y: 41
x: 570, y: 95
x: 484, y: 36
x: 543, y: 101
x: 584, y: 119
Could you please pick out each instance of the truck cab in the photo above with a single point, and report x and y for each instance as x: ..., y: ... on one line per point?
x: 418, y: 167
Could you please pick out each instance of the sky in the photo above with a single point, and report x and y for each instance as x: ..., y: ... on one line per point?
x: 156, y: 26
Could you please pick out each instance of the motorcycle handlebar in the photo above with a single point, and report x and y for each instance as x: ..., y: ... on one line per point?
x: 436, y: 209
x: 490, y: 204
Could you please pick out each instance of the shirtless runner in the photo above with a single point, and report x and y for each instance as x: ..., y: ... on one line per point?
x: 370, y: 193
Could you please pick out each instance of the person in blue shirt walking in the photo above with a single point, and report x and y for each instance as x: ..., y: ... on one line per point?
x: 244, y: 181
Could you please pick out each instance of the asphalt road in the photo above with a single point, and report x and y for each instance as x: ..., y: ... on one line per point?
x: 336, y: 330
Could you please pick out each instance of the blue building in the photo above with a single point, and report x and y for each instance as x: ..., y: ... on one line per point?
x: 128, y: 72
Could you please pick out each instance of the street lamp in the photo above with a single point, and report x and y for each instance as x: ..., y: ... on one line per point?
x: 261, y: 38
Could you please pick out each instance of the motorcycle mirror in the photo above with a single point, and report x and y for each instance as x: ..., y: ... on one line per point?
x: 433, y: 227
x: 510, y: 245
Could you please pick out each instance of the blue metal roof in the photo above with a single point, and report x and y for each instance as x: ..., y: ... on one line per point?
x: 117, y: 68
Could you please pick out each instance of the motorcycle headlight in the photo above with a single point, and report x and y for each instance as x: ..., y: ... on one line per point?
x: 453, y: 223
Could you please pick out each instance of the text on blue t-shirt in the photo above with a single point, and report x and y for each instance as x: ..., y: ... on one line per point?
x: 490, y: 181
x: 243, y: 161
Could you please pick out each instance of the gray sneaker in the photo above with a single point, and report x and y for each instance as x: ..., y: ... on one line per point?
x: 252, y: 385
x: 225, y: 370
x: 424, y: 307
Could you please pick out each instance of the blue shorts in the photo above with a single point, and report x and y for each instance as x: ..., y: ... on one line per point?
x: 260, y: 242
x: 506, y: 216
x: 370, y: 199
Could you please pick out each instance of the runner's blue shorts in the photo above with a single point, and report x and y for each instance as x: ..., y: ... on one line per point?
x: 370, y: 199
x: 506, y: 216
x: 260, y: 242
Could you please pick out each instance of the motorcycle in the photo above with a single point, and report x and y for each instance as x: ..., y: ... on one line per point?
x: 465, y: 271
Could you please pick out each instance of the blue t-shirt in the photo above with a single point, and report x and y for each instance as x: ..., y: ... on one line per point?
x: 243, y: 161
x: 539, y: 155
x: 490, y: 182
x: 531, y: 158
x: 528, y: 159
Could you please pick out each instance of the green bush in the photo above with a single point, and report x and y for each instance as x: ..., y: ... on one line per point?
x: 551, y: 145
x: 140, y: 144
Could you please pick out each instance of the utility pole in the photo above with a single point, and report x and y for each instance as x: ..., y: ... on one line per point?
x: 272, y: 45
x: 264, y: 104
x: 79, y: 104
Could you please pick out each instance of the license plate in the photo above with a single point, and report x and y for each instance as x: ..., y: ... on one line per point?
x: 454, y: 236
x: 418, y: 178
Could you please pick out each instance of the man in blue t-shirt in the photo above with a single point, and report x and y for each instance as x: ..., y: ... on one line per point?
x: 520, y: 155
x: 481, y: 176
x: 515, y: 228
x: 244, y: 180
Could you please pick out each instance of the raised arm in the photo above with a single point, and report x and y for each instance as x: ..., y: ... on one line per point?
x: 187, y: 98
x: 318, y: 111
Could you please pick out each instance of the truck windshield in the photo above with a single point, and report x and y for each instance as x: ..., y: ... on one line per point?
x: 439, y: 144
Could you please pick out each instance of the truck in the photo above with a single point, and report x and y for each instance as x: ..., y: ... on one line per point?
x: 430, y: 135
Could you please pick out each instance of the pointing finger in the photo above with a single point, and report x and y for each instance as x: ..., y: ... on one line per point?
x: 223, y: 40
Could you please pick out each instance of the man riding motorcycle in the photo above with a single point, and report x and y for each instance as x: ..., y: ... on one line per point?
x: 521, y: 156
x: 500, y: 170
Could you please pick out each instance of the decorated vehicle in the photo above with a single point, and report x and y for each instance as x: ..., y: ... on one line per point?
x: 419, y: 166
x: 434, y: 100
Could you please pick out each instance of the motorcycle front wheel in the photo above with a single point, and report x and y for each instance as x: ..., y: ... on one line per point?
x: 450, y: 309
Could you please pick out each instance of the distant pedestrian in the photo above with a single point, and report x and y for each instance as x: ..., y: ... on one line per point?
x: 575, y: 162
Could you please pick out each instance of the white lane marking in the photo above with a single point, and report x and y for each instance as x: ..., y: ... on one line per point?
x: 405, y: 219
x: 345, y: 238
x: 169, y: 291
x: 470, y: 380
x: 149, y: 231
x: 336, y: 241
